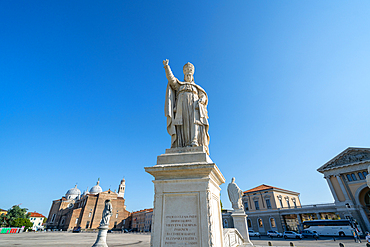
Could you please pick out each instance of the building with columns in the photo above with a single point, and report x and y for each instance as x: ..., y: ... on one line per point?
x: 346, y: 178
x: 272, y: 208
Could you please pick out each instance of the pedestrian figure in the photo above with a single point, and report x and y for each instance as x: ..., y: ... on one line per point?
x: 357, y: 235
x: 354, y: 235
x: 367, y: 239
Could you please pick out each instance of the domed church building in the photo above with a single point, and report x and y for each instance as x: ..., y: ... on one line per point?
x: 85, y: 210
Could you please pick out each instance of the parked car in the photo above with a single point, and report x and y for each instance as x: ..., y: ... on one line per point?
x: 253, y: 233
x: 272, y: 234
x: 310, y: 234
x: 290, y: 234
x: 76, y: 229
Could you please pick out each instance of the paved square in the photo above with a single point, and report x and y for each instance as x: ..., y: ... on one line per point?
x: 67, y: 239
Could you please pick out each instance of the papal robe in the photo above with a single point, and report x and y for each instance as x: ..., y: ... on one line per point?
x: 187, y: 119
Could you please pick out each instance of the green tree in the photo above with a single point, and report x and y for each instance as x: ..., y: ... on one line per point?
x: 15, y: 213
x: 19, y: 222
x: 3, y: 221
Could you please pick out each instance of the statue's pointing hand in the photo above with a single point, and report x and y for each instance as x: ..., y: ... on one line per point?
x: 165, y: 62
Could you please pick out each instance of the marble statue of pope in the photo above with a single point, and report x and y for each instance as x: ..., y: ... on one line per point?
x: 186, y: 110
x: 235, y: 195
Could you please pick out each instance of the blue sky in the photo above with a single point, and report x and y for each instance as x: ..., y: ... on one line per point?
x: 82, y: 89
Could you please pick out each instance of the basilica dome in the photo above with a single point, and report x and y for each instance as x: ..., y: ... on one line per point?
x: 96, y: 189
x: 73, y: 193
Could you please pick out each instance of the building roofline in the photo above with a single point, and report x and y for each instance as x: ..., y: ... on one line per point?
x: 35, y: 214
x: 263, y: 187
x: 326, y: 167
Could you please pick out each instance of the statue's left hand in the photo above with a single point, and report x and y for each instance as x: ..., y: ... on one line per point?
x: 165, y: 62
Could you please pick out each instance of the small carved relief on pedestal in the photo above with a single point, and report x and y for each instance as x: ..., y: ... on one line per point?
x: 210, y: 218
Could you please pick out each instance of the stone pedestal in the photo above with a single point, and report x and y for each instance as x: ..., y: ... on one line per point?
x: 187, y: 209
x: 233, y: 238
x: 240, y: 223
x: 101, y: 241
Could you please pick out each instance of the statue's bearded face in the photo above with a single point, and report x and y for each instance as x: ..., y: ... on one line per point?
x: 188, y: 77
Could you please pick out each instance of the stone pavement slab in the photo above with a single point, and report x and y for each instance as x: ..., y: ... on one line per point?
x: 68, y: 239
x: 322, y: 242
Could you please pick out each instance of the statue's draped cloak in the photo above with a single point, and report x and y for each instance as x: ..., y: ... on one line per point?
x: 176, y: 119
x: 235, y: 195
x: 107, y: 213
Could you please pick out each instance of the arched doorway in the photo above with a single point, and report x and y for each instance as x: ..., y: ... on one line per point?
x: 362, y: 197
x: 367, y: 199
x: 366, y: 202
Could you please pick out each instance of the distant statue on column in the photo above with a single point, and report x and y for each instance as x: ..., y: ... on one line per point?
x: 101, y: 240
x: 238, y: 214
x: 107, y: 213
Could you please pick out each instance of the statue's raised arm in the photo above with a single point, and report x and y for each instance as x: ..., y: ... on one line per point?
x: 170, y: 77
x: 186, y: 109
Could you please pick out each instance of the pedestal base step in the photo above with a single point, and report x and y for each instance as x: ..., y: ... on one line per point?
x: 233, y: 238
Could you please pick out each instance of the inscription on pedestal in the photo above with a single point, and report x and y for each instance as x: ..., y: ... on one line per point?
x: 181, y: 220
x: 181, y: 230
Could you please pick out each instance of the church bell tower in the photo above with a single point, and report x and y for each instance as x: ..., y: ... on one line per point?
x: 121, y: 188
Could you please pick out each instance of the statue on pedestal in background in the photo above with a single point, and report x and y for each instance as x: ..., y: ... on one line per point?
x: 186, y: 110
x: 101, y: 240
x: 238, y: 214
x: 107, y: 213
x: 235, y: 195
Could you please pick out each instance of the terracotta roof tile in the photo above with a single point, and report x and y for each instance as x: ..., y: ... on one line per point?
x: 34, y: 214
x: 266, y: 187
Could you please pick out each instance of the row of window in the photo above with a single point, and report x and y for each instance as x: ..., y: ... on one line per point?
x: 268, y: 203
x: 257, y: 205
x: 352, y: 176
x: 287, y: 202
x: 260, y: 223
